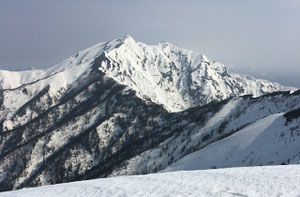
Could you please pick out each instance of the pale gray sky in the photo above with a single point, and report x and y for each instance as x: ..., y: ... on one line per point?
x: 262, y: 33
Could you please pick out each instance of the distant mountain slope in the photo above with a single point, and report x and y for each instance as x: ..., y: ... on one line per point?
x: 252, y: 182
x: 245, y: 117
x: 270, y: 140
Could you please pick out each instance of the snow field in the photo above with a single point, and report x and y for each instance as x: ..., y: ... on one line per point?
x: 249, y: 181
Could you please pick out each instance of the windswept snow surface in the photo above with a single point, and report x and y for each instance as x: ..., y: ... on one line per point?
x: 249, y: 181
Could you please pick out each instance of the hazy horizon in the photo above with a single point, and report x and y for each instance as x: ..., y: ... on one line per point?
x: 255, y: 33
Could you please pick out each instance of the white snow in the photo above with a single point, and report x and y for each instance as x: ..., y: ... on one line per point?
x: 222, y: 114
x: 265, y: 142
x: 248, y: 181
x: 178, y: 78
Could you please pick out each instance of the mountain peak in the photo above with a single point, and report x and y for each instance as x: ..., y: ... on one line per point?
x: 127, y: 39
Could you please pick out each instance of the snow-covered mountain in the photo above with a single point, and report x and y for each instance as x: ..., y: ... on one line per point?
x: 115, y: 109
x: 252, y: 182
x: 174, y: 77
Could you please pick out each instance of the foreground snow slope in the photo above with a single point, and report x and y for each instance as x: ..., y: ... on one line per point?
x: 249, y: 181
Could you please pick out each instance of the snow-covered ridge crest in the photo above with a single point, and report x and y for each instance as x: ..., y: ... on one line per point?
x: 175, y: 77
x: 178, y: 78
